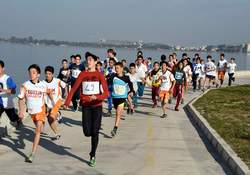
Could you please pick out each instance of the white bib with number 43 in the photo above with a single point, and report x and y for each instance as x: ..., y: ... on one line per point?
x: 91, y: 87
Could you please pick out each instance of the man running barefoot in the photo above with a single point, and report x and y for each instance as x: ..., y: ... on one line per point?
x: 166, y: 87
x: 32, y: 93
x: 122, y: 88
x: 54, y: 86
x: 94, y: 90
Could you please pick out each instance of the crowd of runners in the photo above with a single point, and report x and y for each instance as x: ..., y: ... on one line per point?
x: 87, y: 83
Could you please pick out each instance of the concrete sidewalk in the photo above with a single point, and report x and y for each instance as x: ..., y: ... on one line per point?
x: 145, y: 144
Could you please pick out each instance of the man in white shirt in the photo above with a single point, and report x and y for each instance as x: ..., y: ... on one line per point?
x: 231, y: 70
x: 133, y: 76
x: 222, y: 67
x: 141, y: 70
x: 210, y: 69
x: 166, y: 88
x: 7, y: 91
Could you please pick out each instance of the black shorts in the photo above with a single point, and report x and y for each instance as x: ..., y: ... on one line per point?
x: 11, y: 113
x: 91, y: 120
x: 211, y: 77
x: 118, y: 101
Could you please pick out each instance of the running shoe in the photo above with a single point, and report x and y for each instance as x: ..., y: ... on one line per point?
x: 113, y: 132
x: 92, y: 162
x: 59, y: 118
x: 170, y: 100
x: 19, y: 125
x: 109, y: 114
x: 164, y: 116
x: 132, y: 111
x: 56, y: 137
x: 182, y: 101
x: 31, y: 157
x: 176, y: 109
x: 128, y: 111
x: 76, y: 109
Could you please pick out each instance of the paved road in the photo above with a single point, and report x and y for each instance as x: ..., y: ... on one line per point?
x: 146, y: 144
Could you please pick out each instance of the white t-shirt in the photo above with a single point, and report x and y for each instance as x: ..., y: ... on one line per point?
x: 210, y: 68
x: 166, y: 82
x: 34, y: 93
x: 134, y: 79
x: 55, y: 88
x: 6, y: 82
x: 197, y: 68
x: 141, y: 71
x: 188, y: 71
x: 231, y: 67
x: 203, y: 73
x: 221, y: 65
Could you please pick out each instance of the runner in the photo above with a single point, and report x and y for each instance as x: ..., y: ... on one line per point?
x: 94, y: 90
x: 180, y: 85
x: 32, y: 93
x: 175, y: 59
x: 76, y: 69
x: 231, y: 71
x: 125, y: 68
x: 72, y: 60
x: 188, y: 71
x: 122, y: 88
x: 215, y: 75
x: 202, y: 75
x: 171, y: 62
x: 196, y: 73
x: 133, y: 76
x: 141, y: 69
x: 7, y: 91
x: 154, y: 76
x: 64, y: 75
x: 209, y: 69
x: 150, y: 66
x: 54, y: 86
x: 139, y: 53
x: 99, y: 67
x: 163, y: 59
x: 222, y: 67
x: 166, y: 87
x: 108, y: 73
x: 111, y: 54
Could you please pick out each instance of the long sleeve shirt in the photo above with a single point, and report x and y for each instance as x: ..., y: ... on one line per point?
x: 90, y: 83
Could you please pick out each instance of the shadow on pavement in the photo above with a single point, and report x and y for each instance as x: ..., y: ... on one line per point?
x: 27, y: 133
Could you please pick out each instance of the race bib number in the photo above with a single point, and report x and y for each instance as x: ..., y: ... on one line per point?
x: 155, y: 77
x: 91, y: 88
x: 119, y: 89
x: 75, y: 73
x: 178, y: 76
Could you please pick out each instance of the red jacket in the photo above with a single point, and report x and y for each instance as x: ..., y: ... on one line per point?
x: 86, y: 76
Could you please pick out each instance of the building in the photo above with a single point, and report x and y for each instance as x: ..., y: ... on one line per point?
x: 246, y: 48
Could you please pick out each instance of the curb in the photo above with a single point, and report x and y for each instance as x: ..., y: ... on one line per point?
x: 231, y: 159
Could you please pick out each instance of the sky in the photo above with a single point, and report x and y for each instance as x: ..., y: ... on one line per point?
x: 174, y: 22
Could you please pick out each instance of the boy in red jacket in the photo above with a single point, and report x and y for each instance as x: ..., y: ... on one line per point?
x: 94, y: 90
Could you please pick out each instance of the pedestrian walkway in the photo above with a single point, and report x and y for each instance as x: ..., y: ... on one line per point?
x: 146, y: 144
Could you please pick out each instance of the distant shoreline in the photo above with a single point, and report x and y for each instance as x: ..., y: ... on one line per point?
x: 122, y: 44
